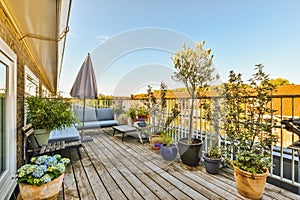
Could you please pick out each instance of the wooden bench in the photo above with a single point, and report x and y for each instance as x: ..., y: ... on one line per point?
x: 32, y: 146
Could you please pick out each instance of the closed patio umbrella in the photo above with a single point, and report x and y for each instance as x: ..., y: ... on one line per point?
x: 85, y: 86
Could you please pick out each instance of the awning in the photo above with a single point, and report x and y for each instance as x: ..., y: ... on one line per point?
x: 42, y: 25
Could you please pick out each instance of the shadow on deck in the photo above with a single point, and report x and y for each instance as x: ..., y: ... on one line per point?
x: 110, y: 169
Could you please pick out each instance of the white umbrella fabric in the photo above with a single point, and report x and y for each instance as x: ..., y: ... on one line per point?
x: 85, y: 86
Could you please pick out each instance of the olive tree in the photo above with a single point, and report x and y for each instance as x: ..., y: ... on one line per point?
x: 193, y: 67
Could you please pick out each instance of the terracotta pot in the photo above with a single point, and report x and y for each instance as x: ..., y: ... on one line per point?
x: 48, y: 191
x: 248, y: 185
x: 153, y: 138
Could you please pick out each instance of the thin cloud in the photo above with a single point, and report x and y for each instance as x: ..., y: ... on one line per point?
x: 102, y: 38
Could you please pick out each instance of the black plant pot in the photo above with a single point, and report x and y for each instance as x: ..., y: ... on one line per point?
x: 169, y: 152
x: 189, y: 153
x: 211, y: 165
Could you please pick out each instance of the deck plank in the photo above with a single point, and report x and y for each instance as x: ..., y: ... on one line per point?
x: 158, y: 180
x: 112, y: 169
x: 129, y: 171
x: 97, y: 185
x: 69, y: 185
x: 82, y: 181
x: 111, y: 186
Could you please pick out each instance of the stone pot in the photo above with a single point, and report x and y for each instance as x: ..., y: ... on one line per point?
x: 47, y: 191
x: 249, y: 185
x: 189, y: 153
x: 168, y: 152
x: 42, y: 136
x: 211, y: 165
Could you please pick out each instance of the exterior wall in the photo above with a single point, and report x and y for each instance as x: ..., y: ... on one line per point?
x: 9, y: 35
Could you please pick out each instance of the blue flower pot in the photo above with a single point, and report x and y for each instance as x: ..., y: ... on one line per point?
x: 169, y: 152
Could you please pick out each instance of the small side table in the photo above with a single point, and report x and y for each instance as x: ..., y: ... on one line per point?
x: 123, y: 129
x: 144, y: 131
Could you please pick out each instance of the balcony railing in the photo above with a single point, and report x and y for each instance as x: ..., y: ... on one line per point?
x: 286, y: 167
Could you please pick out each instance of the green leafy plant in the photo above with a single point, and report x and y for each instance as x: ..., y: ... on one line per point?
x: 45, y: 113
x: 132, y: 112
x: 42, y: 169
x: 167, y: 136
x: 248, y: 125
x: 215, y: 152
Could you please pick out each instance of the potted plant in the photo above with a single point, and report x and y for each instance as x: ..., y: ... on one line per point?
x: 142, y: 112
x: 212, y: 160
x: 168, y: 149
x: 42, y: 178
x: 48, y: 114
x: 248, y: 129
x: 132, y: 114
x: 193, y: 67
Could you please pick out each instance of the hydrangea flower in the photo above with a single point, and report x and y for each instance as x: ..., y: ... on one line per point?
x: 60, y: 167
x: 51, y: 161
x: 46, y: 178
x: 39, y: 171
x: 42, y: 169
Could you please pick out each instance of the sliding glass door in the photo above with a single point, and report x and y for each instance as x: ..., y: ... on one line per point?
x: 8, y: 116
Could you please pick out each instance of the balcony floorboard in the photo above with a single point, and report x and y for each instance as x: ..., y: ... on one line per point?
x: 112, y: 169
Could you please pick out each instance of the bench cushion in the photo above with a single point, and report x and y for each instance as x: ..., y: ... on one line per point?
x: 67, y: 134
x: 90, y: 115
x: 104, y: 114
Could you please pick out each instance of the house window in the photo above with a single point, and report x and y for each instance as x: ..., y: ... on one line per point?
x: 31, y: 83
x: 8, y: 113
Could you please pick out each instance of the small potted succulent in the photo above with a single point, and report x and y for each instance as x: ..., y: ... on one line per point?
x: 42, y: 178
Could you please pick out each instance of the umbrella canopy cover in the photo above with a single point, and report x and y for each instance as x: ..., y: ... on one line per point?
x: 85, y: 84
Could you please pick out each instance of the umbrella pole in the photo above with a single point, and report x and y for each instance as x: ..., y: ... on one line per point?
x: 84, y: 138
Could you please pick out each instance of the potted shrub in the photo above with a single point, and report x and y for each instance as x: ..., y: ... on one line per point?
x: 212, y: 160
x: 168, y: 150
x: 42, y: 178
x: 193, y: 67
x: 142, y: 112
x: 48, y: 114
x: 248, y: 128
x: 132, y: 114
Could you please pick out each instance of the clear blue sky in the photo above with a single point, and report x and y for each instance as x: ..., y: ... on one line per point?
x: 240, y: 34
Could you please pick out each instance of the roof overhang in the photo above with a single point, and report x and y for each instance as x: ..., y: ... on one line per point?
x: 42, y: 25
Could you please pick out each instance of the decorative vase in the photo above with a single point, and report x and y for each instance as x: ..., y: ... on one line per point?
x: 249, y: 185
x: 169, y: 152
x: 47, y: 191
x: 42, y: 136
x: 211, y: 165
x: 189, y: 153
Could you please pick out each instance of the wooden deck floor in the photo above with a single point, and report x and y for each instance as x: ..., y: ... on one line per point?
x: 110, y: 169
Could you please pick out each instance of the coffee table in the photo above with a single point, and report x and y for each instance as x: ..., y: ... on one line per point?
x: 123, y: 129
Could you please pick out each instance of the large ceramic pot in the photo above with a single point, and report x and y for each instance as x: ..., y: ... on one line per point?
x: 169, y: 152
x: 189, y: 153
x: 249, y: 185
x: 47, y: 191
x: 211, y: 165
x: 42, y: 136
